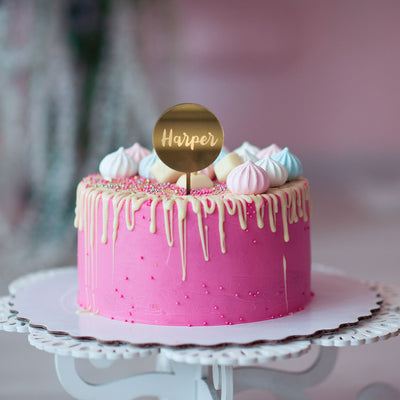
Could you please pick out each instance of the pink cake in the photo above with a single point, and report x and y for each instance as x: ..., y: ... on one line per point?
x: 148, y: 253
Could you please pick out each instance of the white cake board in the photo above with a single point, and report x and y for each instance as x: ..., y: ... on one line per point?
x: 50, y: 302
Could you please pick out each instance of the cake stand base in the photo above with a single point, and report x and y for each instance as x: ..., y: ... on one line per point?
x: 179, y: 381
x: 50, y: 302
x: 208, y: 373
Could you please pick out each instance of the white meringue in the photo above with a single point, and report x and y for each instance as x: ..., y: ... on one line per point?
x: 118, y: 165
x: 247, y: 152
x: 277, y: 173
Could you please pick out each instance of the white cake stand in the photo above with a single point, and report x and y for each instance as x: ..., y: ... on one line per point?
x: 205, y: 373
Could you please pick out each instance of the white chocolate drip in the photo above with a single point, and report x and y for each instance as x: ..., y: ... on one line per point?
x: 292, y: 199
x: 285, y: 282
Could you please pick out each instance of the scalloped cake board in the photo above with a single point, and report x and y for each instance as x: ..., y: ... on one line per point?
x: 48, y: 300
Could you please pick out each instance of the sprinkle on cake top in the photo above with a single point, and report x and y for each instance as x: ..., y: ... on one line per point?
x: 150, y: 186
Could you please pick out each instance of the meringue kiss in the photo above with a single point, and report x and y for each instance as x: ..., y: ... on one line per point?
x: 268, y: 151
x: 248, y: 178
x: 137, y: 152
x: 290, y: 161
x: 277, y: 173
x: 118, y: 165
x: 247, y: 151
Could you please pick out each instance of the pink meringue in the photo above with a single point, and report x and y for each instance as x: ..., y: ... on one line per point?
x: 137, y: 152
x: 248, y: 178
x: 268, y: 151
x: 209, y: 171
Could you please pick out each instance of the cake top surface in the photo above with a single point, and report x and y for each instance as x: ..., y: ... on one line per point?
x: 147, y: 187
x: 246, y: 171
x: 139, y: 184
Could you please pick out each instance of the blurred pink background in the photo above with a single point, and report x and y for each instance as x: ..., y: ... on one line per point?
x: 323, y: 77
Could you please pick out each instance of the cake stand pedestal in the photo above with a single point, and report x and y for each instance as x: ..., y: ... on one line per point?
x: 208, y: 373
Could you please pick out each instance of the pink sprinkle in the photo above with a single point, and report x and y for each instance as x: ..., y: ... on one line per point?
x: 250, y: 293
x: 122, y: 296
x: 203, y: 285
x: 206, y: 292
x: 177, y: 303
x: 126, y: 278
x: 220, y: 287
x: 152, y: 277
x: 215, y: 307
x: 254, y: 241
x: 126, y: 320
x: 186, y: 296
x: 226, y: 323
x: 258, y: 292
x: 132, y: 322
x: 236, y: 294
x: 116, y: 289
x: 222, y: 316
x: 205, y: 323
x: 112, y: 317
x: 141, y: 257
x: 240, y: 318
x: 130, y: 313
x: 189, y: 325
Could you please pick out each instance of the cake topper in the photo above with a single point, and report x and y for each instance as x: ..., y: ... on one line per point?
x: 187, y: 138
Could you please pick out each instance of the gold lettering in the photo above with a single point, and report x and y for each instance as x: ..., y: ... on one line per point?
x: 204, y: 140
x: 178, y: 140
x: 166, y: 138
x: 195, y: 139
x: 213, y: 141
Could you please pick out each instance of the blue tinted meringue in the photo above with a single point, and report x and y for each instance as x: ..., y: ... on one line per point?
x: 290, y: 161
x: 146, y: 164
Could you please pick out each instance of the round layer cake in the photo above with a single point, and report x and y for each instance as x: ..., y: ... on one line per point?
x: 148, y: 253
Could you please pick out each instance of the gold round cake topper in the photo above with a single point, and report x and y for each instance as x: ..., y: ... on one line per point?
x: 188, y: 137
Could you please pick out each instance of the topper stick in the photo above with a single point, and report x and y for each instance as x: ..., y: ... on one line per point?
x: 187, y: 183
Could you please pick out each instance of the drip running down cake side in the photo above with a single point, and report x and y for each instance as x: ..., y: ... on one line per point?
x: 235, y: 250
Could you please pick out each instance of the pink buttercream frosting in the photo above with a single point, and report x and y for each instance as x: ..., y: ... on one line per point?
x: 137, y: 152
x: 248, y: 178
x: 241, y: 273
